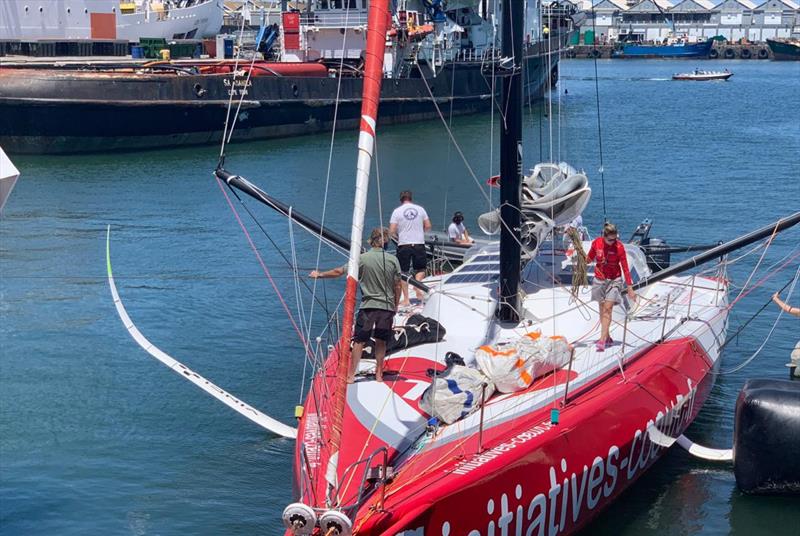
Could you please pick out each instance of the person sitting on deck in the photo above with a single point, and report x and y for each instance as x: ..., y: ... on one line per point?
x: 612, y: 263
x: 456, y: 232
x: 379, y: 279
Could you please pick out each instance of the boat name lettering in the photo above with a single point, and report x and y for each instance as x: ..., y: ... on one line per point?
x: 477, y: 460
x: 571, y: 493
x: 311, y: 439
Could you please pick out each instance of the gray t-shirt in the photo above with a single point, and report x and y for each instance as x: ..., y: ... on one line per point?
x: 409, y: 218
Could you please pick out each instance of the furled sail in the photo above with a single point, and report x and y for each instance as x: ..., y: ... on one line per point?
x: 552, y: 196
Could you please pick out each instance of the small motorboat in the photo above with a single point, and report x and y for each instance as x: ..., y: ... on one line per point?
x: 700, y: 75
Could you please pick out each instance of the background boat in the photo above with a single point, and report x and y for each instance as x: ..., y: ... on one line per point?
x: 109, y: 19
x: 785, y: 50
x: 673, y: 50
x: 313, y: 77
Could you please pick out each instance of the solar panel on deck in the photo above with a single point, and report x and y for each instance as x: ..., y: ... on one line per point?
x: 479, y: 268
x: 471, y: 278
x: 485, y: 258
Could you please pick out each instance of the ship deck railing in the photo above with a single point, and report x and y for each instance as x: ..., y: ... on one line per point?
x: 335, y: 19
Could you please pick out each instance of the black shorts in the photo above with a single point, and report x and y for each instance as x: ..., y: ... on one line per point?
x: 373, y: 323
x: 412, y: 255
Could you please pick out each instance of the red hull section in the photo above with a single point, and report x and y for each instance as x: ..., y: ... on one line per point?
x: 530, y: 477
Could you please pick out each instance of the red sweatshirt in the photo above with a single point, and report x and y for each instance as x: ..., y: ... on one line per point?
x: 609, y: 260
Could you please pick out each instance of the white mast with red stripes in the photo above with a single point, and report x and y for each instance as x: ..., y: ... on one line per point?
x: 377, y: 25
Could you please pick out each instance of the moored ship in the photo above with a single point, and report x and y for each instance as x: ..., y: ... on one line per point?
x: 785, y: 50
x: 677, y: 49
x: 436, y: 59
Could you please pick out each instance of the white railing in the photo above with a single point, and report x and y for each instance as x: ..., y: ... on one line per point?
x: 334, y: 19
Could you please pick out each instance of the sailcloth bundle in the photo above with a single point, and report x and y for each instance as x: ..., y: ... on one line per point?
x: 552, y: 196
x: 459, y: 391
x: 514, y: 366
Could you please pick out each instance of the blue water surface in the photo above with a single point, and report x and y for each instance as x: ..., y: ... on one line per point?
x: 96, y: 437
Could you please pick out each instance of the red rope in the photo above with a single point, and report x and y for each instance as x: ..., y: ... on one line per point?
x: 264, y: 267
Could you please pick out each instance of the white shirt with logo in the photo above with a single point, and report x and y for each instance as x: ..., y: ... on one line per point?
x: 409, y: 219
x: 456, y: 231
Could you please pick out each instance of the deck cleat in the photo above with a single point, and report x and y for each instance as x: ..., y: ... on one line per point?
x: 336, y: 521
x: 300, y: 519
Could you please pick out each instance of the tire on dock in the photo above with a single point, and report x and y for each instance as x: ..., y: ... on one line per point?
x: 763, y: 53
x: 730, y: 53
x: 766, y: 433
x: 714, y: 54
x: 745, y: 54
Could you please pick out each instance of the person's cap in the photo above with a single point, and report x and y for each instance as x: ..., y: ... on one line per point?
x: 458, y: 216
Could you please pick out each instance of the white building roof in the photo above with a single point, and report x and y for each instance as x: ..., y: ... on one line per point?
x: 787, y: 3
x: 693, y: 6
x: 649, y: 6
x: 622, y: 5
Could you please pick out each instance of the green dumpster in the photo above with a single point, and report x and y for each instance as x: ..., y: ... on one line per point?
x: 588, y: 37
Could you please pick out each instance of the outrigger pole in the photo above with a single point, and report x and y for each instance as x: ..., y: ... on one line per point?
x: 722, y: 249
x: 312, y: 225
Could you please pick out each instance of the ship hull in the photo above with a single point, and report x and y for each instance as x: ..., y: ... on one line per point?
x: 783, y: 51
x: 683, y: 50
x: 46, y: 112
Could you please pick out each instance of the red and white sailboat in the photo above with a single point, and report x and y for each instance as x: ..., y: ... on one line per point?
x: 542, y: 460
x: 545, y: 458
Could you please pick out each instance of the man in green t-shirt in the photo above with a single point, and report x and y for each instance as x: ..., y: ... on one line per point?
x: 379, y: 279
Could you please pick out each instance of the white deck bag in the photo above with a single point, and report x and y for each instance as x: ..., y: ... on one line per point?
x: 456, y: 394
x: 513, y: 366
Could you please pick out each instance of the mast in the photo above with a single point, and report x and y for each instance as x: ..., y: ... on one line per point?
x: 377, y: 25
x: 511, y: 161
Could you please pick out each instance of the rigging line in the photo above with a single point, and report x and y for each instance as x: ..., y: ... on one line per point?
x: 328, y: 170
x: 242, y: 94
x: 769, y: 335
x: 277, y: 248
x: 296, y: 283
x: 266, y: 271
x: 450, y: 134
x: 230, y: 98
x: 597, y: 100
x: 494, y: 101
x: 768, y: 243
x: 549, y: 88
x: 753, y: 317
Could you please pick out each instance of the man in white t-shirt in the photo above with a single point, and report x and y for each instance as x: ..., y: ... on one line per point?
x: 456, y: 232
x: 408, y: 223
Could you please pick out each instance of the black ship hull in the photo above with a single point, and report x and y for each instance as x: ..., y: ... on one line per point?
x: 58, y: 112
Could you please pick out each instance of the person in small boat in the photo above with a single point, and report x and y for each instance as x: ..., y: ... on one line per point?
x: 408, y: 224
x: 611, y: 264
x: 457, y: 232
x: 379, y: 280
x: 794, y: 311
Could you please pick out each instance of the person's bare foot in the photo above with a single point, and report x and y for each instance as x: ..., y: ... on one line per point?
x: 351, y: 380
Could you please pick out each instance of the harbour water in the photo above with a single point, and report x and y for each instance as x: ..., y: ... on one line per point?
x: 98, y: 438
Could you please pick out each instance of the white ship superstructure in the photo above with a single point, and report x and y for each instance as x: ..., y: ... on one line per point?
x: 33, y: 20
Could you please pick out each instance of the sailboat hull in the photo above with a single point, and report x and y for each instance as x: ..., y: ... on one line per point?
x: 535, y: 477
